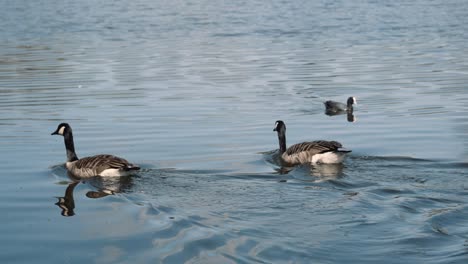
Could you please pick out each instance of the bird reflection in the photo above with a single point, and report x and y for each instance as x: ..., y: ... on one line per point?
x: 351, y: 118
x: 322, y: 171
x: 349, y: 114
x: 103, y: 187
x: 108, y: 185
x: 67, y: 203
x: 328, y: 171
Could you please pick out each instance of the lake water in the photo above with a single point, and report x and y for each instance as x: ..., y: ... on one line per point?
x: 190, y: 90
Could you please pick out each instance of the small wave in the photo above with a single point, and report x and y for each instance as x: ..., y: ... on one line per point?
x: 229, y: 35
x: 389, y: 158
x: 59, y: 171
x: 391, y: 191
x: 448, y: 164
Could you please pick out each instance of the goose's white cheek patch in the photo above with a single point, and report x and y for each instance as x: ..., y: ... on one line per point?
x: 61, y: 130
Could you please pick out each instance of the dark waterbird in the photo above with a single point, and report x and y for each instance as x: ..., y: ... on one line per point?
x: 333, y: 108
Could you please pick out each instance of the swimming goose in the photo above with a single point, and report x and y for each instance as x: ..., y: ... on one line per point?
x: 335, y: 107
x: 99, y: 165
x: 315, y: 152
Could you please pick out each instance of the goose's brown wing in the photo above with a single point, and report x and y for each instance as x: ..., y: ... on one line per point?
x: 314, y: 147
x: 103, y: 162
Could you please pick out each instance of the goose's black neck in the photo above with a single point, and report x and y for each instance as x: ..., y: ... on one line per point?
x: 70, y: 146
x: 282, y: 140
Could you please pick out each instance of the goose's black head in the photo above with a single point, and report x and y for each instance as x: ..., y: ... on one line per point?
x: 279, y: 126
x: 62, y: 129
x: 351, y: 101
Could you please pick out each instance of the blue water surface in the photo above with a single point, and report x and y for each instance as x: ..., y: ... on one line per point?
x: 190, y: 90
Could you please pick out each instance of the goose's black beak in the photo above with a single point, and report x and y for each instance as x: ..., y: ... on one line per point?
x: 54, y: 133
x: 274, y: 129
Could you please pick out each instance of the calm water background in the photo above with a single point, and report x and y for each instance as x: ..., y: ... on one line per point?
x: 191, y: 90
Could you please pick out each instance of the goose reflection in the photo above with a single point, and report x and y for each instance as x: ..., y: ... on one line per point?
x: 67, y: 202
x: 103, y: 187
x: 327, y: 171
x: 321, y: 171
x: 108, y: 185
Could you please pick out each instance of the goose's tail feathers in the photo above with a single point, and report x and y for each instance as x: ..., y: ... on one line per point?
x: 131, y: 167
x: 344, y: 150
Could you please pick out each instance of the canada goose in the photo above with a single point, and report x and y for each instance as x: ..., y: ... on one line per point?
x: 99, y: 165
x: 314, y: 152
x: 337, y: 107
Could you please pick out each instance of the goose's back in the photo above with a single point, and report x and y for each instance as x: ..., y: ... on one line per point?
x: 314, y: 147
x: 101, y: 165
x: 307, y: 152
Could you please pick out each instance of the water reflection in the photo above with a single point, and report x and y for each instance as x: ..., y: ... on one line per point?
x: 322, y: 171
x: 132, y: 71
x: 67, y: 202
x: 108, y: 185
x: 329, y: 171
x: 351, y: 118
x: 104, y: 187
x: 349, y: 114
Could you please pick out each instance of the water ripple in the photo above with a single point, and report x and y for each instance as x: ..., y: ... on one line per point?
x: 191, y: 89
